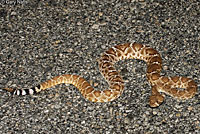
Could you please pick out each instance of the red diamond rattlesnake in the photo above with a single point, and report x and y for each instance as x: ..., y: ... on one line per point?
x: 106, y: 62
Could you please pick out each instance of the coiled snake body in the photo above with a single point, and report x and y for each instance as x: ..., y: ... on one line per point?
x: 106, y: 62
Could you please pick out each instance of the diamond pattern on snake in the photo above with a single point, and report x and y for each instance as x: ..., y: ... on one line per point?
x: 159, y: 84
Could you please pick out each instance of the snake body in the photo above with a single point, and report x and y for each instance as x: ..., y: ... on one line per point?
x: 106, y: 63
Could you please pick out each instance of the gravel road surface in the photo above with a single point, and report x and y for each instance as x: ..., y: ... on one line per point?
x: 42, y: 39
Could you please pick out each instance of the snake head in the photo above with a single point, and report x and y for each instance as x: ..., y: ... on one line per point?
x: 156, y: 100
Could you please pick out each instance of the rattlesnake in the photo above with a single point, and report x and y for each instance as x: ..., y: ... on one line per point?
x: 106, y: 63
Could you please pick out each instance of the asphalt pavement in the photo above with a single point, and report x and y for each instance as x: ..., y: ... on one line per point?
x: 43, y: 39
